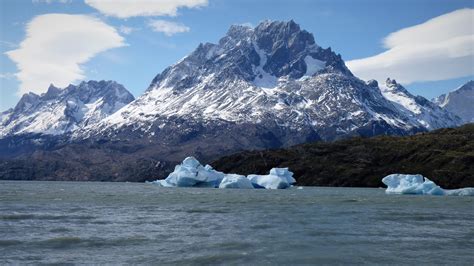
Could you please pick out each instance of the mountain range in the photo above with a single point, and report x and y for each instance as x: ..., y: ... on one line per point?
x: 265, y: 87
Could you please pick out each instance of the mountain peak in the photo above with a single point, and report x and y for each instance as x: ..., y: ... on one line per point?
x: 277, y: 26
x: 459, y: 101
x: 239, y: 31
x: 27, y: 101
x: 59, y: 111
x: 51, y: 92
x: 391, y: 84
x: 468, y: 86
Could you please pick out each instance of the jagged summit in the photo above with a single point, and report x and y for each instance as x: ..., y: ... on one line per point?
x: 417, y: 109
x: 271, y: 50
x: 58, y: 111
x: 273, y: 76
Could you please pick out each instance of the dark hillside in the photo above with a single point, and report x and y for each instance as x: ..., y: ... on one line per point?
x: 446, y: 156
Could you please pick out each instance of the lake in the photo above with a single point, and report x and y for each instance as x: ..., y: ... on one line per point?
x: 92, y: 222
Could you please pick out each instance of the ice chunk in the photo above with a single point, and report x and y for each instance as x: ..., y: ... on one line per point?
x: 417, y: 184
x: 278, y: 178
x: 284, y: 173
x: 468, y: 191
x: 190, y: 173
x: 235, y: 181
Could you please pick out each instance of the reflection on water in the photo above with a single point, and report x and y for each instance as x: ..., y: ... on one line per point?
x: 75, y: 222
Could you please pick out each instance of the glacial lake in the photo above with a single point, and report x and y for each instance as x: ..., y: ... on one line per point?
x: 80, y: 222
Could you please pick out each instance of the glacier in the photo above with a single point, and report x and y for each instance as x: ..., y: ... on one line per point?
x: 190, y: 173
x: 420, y: 185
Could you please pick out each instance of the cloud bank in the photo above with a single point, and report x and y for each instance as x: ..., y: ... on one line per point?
x: 136, y: 8
x: 167, y: 27
x: 56, y: 45
x: 438, y: 49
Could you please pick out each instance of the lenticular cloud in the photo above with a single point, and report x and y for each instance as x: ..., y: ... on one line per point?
x: 438, y: 49
x: 55, y: 47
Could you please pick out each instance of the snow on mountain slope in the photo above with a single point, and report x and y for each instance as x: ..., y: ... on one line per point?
x: 272, y: 74
x: 60, y: 111
x: 418, y: 109
x: 459, y: 102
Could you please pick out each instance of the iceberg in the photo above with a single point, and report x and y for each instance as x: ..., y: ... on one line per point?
x: 419, y: 185
x: 235, y: 181
x: 279, y: 178
x: 190, y: 173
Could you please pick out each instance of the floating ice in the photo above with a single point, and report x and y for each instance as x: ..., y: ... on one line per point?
x: 417, y: 184
x: 235, y: 181
x: 277, y: 179
x: 190, y: 173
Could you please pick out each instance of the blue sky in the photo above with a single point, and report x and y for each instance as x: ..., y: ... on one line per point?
x: 135, y: 50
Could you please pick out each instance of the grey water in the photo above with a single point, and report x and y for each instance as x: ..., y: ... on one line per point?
x: 91, y: 222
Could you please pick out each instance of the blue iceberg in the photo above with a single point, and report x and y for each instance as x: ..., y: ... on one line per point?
x: 419, y: 185
x: 190, y: 173
x: 278, y: 178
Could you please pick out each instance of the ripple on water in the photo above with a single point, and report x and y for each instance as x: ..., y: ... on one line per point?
x: 202, y: 210
x: 32, y: 216
x: 6, y: 243
x: 66, y: 242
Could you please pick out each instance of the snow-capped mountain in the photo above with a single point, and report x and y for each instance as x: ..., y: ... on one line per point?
x: 60, y: 111
x: 418, y: 109
x: 273, y: 76
x: 459, y: 102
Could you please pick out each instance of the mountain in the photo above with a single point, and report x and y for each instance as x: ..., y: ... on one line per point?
x: 272, y: 80
x: 419, y: 110
x: 61, y: 111
x: 459, y: 102
x: 266, y: 87
x: 445, y: 156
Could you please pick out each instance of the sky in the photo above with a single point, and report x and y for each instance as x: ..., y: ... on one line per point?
x: 427, y: 45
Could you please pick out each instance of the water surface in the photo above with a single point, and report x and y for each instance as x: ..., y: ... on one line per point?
x: 79, y: 222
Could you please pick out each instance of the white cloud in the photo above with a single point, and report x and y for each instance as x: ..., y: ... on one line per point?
x: 167, y: 27
x: 56, y: 45
x: 438, y: 49
x: 136, y: 8
x: 126, y: 30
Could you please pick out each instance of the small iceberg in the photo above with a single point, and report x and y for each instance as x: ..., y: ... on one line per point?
x: 417, y: 184
x: 190, y: 173
x: 279, y: 178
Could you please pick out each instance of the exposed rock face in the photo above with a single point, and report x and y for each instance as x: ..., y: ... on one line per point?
x: 459, y: 102
x: 419, y: 110
x: 273, y: 77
